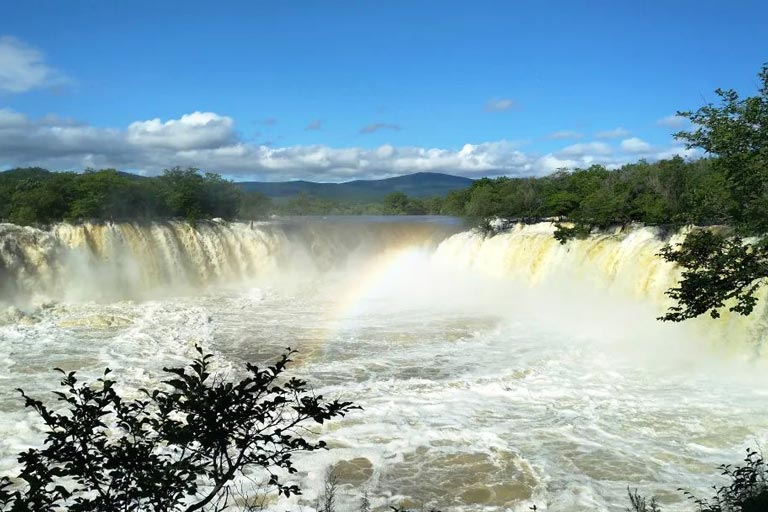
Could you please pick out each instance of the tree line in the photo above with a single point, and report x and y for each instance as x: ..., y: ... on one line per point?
x: 673, y: 191
x: 36, y: 196
x: 667, y: 192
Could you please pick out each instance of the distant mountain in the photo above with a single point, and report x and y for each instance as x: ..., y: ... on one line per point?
x: 420, y: 184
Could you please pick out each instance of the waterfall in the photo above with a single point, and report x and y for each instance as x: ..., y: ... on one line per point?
x: 106, y: 262
x: 113, y: 261
x: 135, y: 261
x: 625, y: 263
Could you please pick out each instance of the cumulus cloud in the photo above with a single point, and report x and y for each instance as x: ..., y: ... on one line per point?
x: 375, y: 127
x: 315, y: 124
x: 23, y: 68
x: 635, y: 145
x: 564, y: 135
x: 673, y: 121
x: 589, y: 148
x: 195, y: 130
x: 209, y: 141
x: 616, y: 133
x: 677, y: 150
x: 500, y: 104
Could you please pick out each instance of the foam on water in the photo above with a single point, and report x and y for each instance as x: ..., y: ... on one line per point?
x: 493, y: 372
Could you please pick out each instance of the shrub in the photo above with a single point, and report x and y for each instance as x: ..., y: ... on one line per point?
x: 179, y: 448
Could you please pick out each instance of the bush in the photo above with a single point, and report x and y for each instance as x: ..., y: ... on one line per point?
x: 747, y: 492
x: 180, y: 448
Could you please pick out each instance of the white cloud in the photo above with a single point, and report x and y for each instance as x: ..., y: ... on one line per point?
x: 589, y: 148
x: 195, y: 130
x: 23, y: 68
x: 375, y: 127
x: 550, y: 163
x: 674, y: 151
x: 635, y: 145
x: 673, y: 121
x: 209, y: 141
x: 616, y: 133
x: 564, y: 135
x: 500, y: 105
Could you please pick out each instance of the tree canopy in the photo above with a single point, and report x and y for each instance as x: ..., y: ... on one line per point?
x: 722, y: 271
x: 668, y: 192
x: 736, y: 131
x: 36, y: 196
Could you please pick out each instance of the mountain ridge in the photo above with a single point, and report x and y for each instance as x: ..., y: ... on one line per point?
x: 419, y: 184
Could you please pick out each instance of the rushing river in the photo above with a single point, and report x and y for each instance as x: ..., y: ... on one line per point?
x: 493, y: 372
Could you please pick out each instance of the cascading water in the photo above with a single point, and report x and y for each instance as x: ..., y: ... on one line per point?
x: 134, y: 261
x: 493, y: 371
x: 622, y: 264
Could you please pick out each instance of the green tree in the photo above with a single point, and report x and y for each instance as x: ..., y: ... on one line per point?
x: 396, y: 203
x: 722, y: 272
x: 190, y: 195
x: 718, y: 272
x: 41, y: 199
x: 736, y: 131
x: 254, y: 205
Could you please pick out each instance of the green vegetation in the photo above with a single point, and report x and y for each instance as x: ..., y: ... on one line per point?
x: 719, y: 271
x: 34, y: 196
x: 179, y: 448
x: 722, y: 271
x: 746, y: 492
x: 669, y: 192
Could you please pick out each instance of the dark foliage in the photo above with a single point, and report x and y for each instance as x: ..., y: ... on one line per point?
x: 36, y: 196
x: 639, y: 503
x: 565, y: 233
x: 747, y: 491
x: 668, y: 193
x: 177, y: 449
x: 718, y: 272
x: 737, y: 132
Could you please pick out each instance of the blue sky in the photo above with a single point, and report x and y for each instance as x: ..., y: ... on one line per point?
x: 336, y: 90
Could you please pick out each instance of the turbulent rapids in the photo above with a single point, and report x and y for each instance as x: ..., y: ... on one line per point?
x: 493, y: 371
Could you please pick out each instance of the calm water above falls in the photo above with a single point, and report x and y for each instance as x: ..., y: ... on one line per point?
x: 493, y: 372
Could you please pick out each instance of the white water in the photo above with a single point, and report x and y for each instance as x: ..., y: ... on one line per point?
x: 494, y: 372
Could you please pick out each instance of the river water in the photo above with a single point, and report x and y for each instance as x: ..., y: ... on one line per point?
x: 494, y: 373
